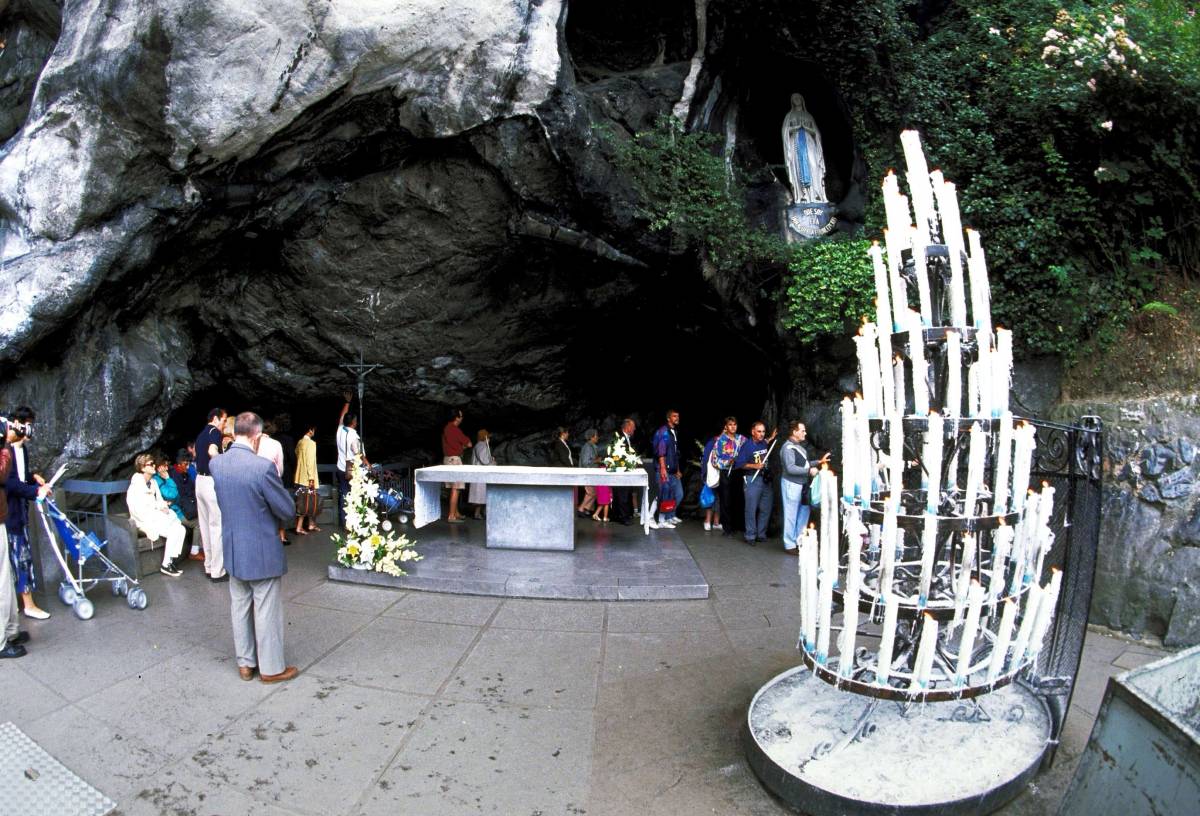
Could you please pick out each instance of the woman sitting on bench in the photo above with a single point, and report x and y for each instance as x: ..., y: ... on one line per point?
x: 152, y: 515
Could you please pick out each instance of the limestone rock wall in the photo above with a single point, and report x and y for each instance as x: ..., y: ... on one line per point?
x: 1148, y: 568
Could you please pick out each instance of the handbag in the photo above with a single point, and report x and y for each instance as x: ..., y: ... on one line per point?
x: 813, y: 491
x: 712, y: 476
x: 308, y: 501
x: 707, y: 497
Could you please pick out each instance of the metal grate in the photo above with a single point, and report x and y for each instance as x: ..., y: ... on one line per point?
x: 32, y: 781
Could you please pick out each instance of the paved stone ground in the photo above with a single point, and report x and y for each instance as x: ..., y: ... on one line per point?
x: 421, y: 703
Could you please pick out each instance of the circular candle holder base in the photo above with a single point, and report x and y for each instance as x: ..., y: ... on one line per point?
x: 825, y: 752
x: 939, y: 694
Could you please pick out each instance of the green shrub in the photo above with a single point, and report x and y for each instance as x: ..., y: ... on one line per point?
x: 830, y: 289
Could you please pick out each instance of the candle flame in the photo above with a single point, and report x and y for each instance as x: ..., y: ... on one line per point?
x: 1003, y: 523
x: 1045, y: 485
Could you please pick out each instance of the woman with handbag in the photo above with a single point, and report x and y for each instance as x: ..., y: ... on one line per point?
x: 308, y: 504
x: 709, y: 499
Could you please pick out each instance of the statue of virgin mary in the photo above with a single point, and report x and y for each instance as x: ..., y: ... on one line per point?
x: 803, y: 153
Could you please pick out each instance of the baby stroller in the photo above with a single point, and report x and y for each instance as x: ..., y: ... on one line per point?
x: 73, y: 543
x: 391, y: 500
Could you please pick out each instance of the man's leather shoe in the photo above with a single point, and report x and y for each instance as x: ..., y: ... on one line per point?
x: 286, y: 674
x: 19, y: 637
x: 196, y: 556
x: 246, y: 672
x: 12, y: 649
x: 220, y: 580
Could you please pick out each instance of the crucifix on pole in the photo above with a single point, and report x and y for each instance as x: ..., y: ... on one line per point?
x: 361, y: 370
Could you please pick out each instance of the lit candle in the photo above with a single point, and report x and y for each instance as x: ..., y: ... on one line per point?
x: 953, y: 407
x: 929, y: 540
x: 868, y: 362
x: 1022, y: 462
x: 920, y: 245
x: 981, y: 296
x: 925, y: 651
x: 947, y: 204
x: 918, y: 180
x: 916, y: 356
x: 1045, y: 615
x: 933, y: 463
x: 849, y: 449
x: 883, y: 309
x: 1003, y: 539
x: 1021, y: 541
x: 1033, y: 599
x: 829, y: 523
x: 1003, y: 463
x: 887, y: 638
x: 1002, y: 363
x: 966, y: 646
x: 976, y: 453
x: 898, y: 373
x: 1003, y: 636
x: 892, y: 240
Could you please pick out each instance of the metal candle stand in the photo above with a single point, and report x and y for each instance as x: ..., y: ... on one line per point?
x: 969, y: 601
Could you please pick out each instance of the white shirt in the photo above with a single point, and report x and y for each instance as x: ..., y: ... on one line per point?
x: 19, y: 460
x: 269, y: 448
x: 348, y: 445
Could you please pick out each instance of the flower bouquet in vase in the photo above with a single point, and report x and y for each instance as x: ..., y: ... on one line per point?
x: 620, y: 457
x: 370, y: 542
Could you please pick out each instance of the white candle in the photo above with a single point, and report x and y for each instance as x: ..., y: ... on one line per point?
x: 1000, y: 646
x: 1003, y: 539
x: 933, y: 463
x: 976, y: 454
x: 1003, y: 463
x: 947, y: 204
x: 893, y: 240
x: 887, y: 552
x: 898, y: 373
x: 896, y: 456
x: 916, y: 356
x: 1002, y: 363
x: 849, y: 449
x: 953, y: 407
x: 981, y: 295
x: 883, y: 308
x: 808, y: 583
x: 929, y: 540
x: 1022, y: 461
x: 825, y: 611
x: 966, y: 646
x: 920, y: 244
x: 886, y: 380
x: 1033, y: 599
x: 1045, y: 615
x: 846, y: 642
x: 855, y: 530
x: 868, y: 362
x: 984, y: 381
x: 973, y: 389
x: 864, y: 466
x: 963, y: 582
x: 925, y: 651
x: 887, y: 638
x: 918, y: 180
x: 829, y: 523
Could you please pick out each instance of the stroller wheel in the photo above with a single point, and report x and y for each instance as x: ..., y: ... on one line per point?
x: 119, y: 588
x: 137, y: 598
x: 66, y: 594
x: 83, y: 608
x: 403, y: 519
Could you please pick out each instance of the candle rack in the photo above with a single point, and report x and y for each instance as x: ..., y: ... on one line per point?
x: 936, y: 576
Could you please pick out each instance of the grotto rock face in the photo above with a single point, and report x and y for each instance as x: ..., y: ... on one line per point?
x: 207, y: 203
x: 1148, y: 567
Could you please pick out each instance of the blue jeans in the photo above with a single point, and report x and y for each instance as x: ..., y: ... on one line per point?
x: 760, y: 497
x: 671, y: 489
x: 343, y: 491
x: 795, y: 514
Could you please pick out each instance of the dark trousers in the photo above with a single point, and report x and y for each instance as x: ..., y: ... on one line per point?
x: 343, y: 485
x: 622, y: 504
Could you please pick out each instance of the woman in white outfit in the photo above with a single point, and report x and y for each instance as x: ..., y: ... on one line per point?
x: 482, y: 456
x: 152, y: 515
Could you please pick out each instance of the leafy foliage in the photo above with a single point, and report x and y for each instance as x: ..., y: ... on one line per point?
x: 831, y: 287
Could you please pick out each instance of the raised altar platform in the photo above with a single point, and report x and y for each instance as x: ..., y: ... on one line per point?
x: 610, y: 563
x: 529, y: 508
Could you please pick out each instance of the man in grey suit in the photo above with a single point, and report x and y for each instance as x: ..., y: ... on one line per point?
x: 254, y: 505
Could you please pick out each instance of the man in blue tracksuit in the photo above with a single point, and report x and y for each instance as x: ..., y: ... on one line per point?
x: 666, y: 461
x: 759, y: 487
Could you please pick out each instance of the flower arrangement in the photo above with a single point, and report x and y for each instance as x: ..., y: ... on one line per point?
x: 620, y: 457
x: 369, y: 541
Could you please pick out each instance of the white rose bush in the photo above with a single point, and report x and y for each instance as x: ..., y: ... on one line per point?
x: 370, y: 541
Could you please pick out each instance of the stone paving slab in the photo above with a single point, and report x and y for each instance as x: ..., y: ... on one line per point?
x: 415, y: 703
x: 609, y: 563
